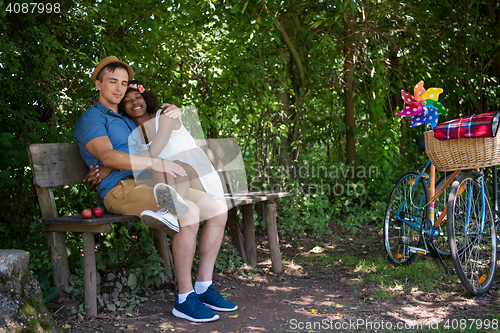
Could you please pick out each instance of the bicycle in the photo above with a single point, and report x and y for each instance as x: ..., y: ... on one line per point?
x: 412, y: 226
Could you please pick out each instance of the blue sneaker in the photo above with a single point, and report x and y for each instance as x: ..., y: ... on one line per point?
x: 192, y: 309
x: 212, y: 299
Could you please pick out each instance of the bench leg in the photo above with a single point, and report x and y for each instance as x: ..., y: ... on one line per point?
x: 60, y: 266
x: 89, y: 273
x: 161, y: 244
x: 272, y: 236
x: 235, y: 232
x: 249, y: 233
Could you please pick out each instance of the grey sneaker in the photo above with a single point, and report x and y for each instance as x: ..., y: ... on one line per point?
x: 167, y: 198
x: 162, y: 219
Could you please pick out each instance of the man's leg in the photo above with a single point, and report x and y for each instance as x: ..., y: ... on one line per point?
x: 214, y: 211
x: 187, y: 304
x: 184, y: 247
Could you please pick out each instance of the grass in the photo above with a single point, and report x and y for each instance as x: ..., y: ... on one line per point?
x: 424, y: 275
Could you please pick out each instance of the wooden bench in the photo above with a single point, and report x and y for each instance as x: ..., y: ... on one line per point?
x: 60, y: 164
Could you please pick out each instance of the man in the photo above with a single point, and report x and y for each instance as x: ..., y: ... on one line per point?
x: 102, y: 136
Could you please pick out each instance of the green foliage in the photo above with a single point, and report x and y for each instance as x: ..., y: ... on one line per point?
x: 305, y: 213
x: 228, y: 259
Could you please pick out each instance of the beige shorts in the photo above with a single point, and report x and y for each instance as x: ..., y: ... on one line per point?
x: 127, y: 198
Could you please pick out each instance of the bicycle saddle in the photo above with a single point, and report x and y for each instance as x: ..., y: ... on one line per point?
x: 420, y: 141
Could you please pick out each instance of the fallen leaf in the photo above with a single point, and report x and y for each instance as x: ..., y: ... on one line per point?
x: 251, y: 284
x: 66, y: 326
x: 314, y: 311
x: 235, y: 316
x: 271, y: 273
x: 165, y: 327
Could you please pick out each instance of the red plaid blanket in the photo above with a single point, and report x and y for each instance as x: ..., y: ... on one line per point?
x: 477, y: 126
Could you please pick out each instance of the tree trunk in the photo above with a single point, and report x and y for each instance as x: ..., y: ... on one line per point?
x: 349, y: 120
x: 297, y: 74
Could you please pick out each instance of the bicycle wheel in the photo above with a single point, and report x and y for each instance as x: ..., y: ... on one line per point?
x: 472, y: 243
x: 406, y: 209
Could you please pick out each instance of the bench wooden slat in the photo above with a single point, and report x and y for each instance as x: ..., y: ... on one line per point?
x: 77, y: 219
x: 254, y: 197
x: 56, y: 164
x: 224, y: 153
x: 95, y: 229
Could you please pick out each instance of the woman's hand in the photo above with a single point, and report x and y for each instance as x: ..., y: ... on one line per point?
x: 169, y: 167
x: 96, y: 174
x: 171, y: 111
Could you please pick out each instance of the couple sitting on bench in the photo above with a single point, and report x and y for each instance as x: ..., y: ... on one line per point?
x: 134, y: 148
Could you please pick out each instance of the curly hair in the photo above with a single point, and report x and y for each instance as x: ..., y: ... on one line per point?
x: 149, y: 97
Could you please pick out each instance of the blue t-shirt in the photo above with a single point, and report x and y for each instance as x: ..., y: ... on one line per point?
x: 99, y: 121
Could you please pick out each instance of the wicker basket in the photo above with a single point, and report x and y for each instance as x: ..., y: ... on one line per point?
x: 457, y: 154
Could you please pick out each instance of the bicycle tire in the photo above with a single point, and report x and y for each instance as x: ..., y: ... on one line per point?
x: 473, y: 251
x: 496, y: 216
x: 399, y: 236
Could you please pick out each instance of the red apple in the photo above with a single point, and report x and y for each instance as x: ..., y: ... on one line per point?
x: 98, y: 212
x: 86, y: 213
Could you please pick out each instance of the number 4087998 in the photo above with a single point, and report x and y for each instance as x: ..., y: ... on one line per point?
x: 469, y: 324
x: 33, y: 8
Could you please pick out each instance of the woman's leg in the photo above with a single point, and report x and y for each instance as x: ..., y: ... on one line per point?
x: 180, y: 184
x: 184, y: 247
x: 192, y: 175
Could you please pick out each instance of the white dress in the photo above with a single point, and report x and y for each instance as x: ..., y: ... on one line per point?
x: 182, y: 147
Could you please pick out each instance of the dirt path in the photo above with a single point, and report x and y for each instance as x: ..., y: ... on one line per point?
x: 306, y: 298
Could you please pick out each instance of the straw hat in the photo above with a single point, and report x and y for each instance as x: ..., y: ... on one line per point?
x: 111, y: 60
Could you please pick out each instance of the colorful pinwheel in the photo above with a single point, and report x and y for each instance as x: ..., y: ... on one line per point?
x: 423, y: 107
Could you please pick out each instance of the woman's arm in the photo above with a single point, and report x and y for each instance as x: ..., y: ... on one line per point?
x: 165, y: 129
x: 168, y: 121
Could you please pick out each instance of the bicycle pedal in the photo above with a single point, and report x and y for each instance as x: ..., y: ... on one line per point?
x: 418, y: 250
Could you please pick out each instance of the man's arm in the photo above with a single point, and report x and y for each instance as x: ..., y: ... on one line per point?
x: 102, y: 149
